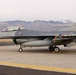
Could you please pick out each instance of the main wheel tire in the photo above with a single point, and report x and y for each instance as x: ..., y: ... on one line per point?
x: 20, y: 50
x: 51, y: 48
x: 56, y: 49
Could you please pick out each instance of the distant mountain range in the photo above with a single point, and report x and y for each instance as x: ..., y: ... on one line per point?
x: 37, y: 24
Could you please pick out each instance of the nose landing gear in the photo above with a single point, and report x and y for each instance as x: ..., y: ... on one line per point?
x: 20, y: 49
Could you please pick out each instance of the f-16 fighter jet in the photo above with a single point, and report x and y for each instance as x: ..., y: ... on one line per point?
x: 32, y: 38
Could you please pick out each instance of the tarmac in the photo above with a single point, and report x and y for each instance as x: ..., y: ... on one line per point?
x: 35, y: 61
x: 6, y: 70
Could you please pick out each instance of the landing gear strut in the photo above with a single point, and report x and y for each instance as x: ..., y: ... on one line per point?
x: 20, y: 49
x: 54, y: 49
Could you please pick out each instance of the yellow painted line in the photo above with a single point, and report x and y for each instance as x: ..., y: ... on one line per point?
x: 67, y: 70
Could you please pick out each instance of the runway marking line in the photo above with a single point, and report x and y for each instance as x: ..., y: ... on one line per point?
x: 66, y: 70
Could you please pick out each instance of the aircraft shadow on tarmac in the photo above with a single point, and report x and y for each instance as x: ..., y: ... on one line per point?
x: 36, y: 50
x: 44, y: 50
x: 72, y: 51
x: 39, y: 50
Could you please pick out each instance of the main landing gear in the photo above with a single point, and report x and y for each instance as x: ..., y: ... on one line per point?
x: 51, y: 48
x: 54, y: 49
x: 20, y: 49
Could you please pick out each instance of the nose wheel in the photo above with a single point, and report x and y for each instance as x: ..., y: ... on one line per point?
x: 20, y: 49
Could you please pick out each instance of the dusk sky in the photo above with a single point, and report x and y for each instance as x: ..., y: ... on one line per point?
x: 30, y: 10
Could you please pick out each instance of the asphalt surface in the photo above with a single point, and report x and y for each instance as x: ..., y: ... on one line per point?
x: 29, y: 61
x: 7, y: 70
